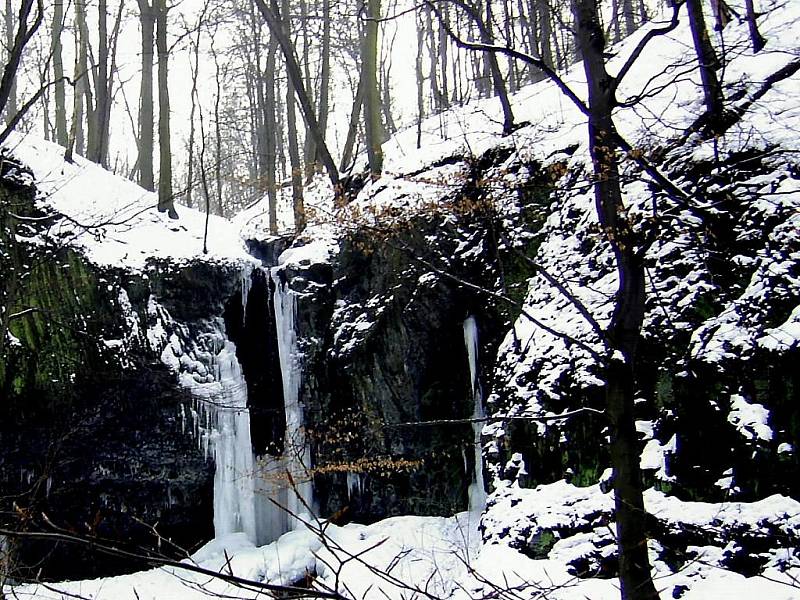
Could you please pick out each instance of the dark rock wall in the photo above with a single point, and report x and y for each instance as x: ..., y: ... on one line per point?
x: 94, y: 429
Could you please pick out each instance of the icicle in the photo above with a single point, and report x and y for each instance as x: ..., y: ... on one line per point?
x: 354, y: 484
x: 247, y: 284
x: 297, y: 453
x: 477, y: 491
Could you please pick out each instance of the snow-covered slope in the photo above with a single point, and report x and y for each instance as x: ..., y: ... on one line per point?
x: 114, y: 221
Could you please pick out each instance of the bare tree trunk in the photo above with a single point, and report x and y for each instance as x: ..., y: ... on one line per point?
x: 386, y: 103
x: 218, y: 136
x: 352, y: 128
x: 146, y: 118
x: 497, y: 76
x: 508, y: 21
x: 272, y: 135
x: 436, y: 94
x: 83, y: 88
x: 166, y: 202
x: 106, y: 116
x: 62, y: 134
x: 95, y: 109
x: 298, y: 207
x: 628, y: 15
x: 443, y: 60
x: 546, y: 35
x: 272, y: 15
x: 757, y: 41
x: 722, y: 14
x: 708, y: 63
x: 624, y: 331
x: 195, y: 72
x: 372, y: 110
x: 313, y: 159
x: 420, y: 81
x: 11, y: 97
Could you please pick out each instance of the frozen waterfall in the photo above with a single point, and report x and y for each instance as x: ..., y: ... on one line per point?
x: 477, y: 491
x: 234, y: 504
x: 296, y: 452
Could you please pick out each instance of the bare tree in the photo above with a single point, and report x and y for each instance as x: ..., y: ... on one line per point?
x: 756, y: 39
x: 272, y: 15
x: 708, y: 62
x: 147, y: 20
x: 17, y: 43
x: 165, y: 198
x: 62, y: 134
x: 369, y: 73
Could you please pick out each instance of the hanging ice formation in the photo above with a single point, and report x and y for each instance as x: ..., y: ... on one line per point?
x: 234, y: 504
x: 296, y: 459
x: 477, y: 491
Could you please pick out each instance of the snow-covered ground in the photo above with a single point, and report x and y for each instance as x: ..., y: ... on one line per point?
x: 406, y: 558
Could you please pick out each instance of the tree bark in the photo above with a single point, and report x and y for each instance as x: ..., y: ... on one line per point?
x: 756, y: 40
x: 8, y: 101
x: 497, y: 75
x: 708, y: 63
x: 624, y: 331
x: 298, y: 207
x: 165, y: 199
x: 420, y: 82
x: 62, y: 134
x: 272, y: 134
x: 372, y: 109
x: 146, y: 118
x: 352, y: 128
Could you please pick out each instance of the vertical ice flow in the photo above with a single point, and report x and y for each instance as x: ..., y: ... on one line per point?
x: 296, y: 452
x: 477, y: 492
x: 247, y: 284
x: 234, y: 507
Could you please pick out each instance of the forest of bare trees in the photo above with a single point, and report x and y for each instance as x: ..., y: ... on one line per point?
x: 255, y: 83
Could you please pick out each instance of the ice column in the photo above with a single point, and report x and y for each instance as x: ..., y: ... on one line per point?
x: 477, y: 493
x: 296, y: 452
x: 247, y: 283
x: 234, y: 507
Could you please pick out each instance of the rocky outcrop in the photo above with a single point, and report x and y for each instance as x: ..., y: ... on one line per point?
x: 95, y: 431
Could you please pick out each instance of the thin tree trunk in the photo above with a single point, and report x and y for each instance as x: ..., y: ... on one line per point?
x: 146, y: 118
x: 628, y: 15
x: 325, y: 76
x: 386, y: 104
x: 10, y: 100
x: 62, y: 134
x: 372, y: 110
x: 271, y: 13
x: 497, y: 76
x: 436, y: 94
x: 546, y: 35
x: 218, y: 136
x: 624, y: 331
x: 352, y: 128
x: 165, y: 199
x: 420, y: 81
x: 757, y: 41
x: 443, y: 59
x: 272, y: 135
x: 96, y: 110
x: 722, y: 14
x: 708, y: 62
x: 190, y: 166
x: 298, y: 207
